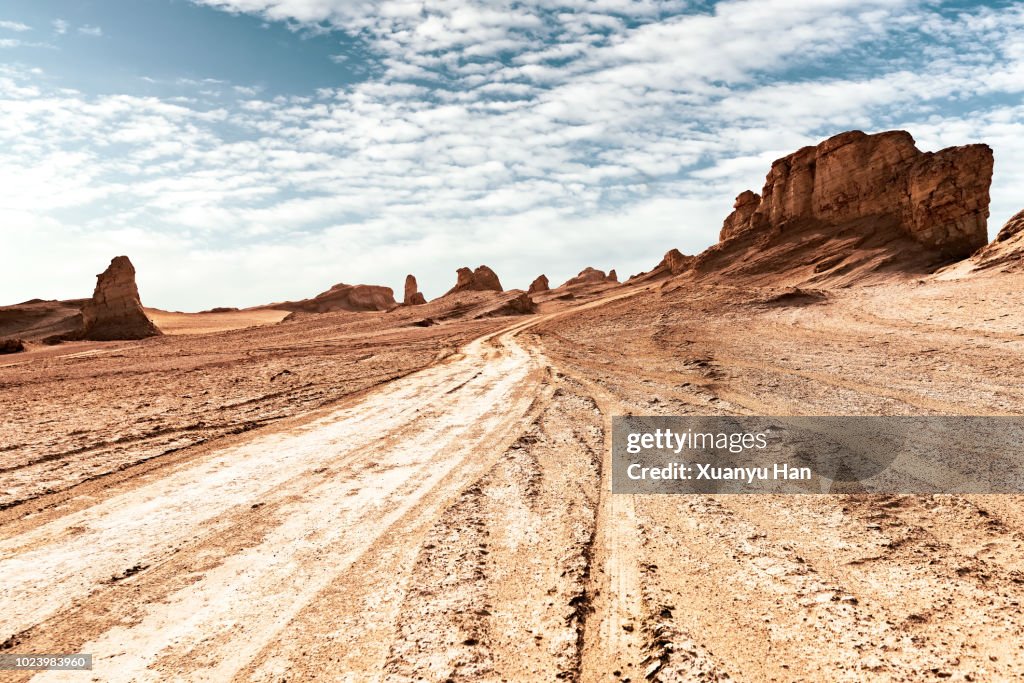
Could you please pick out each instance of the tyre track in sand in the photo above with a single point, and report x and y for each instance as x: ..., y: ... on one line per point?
x: 379, y: 541
x: 201, y: 573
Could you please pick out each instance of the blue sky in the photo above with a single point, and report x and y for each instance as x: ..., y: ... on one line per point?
x: 246, y: 151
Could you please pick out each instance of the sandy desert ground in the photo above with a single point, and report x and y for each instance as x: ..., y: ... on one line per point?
x: 355, y: 497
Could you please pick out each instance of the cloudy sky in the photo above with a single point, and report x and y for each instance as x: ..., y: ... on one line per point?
x: 246, y: 151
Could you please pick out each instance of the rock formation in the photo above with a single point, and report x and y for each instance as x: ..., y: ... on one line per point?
x: 589, y: 276
x: 342, y: 297
x: 479, y: 280
x: 413, y: 297
x: 613, y: 276
x: 539, y: 285
x: 115, y: 311
x: 940, y: 199
x: 739, y: 220
x: 45, y: 321
x: 1006, y: 251
x: 675, y: 262
x: 520, y: 304
x: 11, y: 346
x: 1013, y: 229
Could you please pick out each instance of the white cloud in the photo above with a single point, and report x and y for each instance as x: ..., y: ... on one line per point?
x: 94, y: 31
x: 16, y: 26
x: 60, y: 27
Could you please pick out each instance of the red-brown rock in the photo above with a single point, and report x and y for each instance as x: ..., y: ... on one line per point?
x: 521, y: 304
x: 938, y: 199
x: 115, y: 311
x: 539, y: 285
x: 413, y: 297
x: 342, y: 297
x: 1006, y: 251
x: 675, y: 262
x: 480, y: 280
x: 587, y: 276
x: 1013, y: 228
x: 613, y: 276
x: 11, y: 346
x: 739, y: 220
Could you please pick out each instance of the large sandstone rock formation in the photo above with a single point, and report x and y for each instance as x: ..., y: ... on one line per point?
x: 413, y: 297
x: 115, y: 311
x: 589, y: 276
x: 851, y: 208
x: 479, y: 280
x: 541, y: 284
x: 939, y: 200
x: 342, y: 297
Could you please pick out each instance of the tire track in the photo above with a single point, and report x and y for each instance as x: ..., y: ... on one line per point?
x: 336, y: 486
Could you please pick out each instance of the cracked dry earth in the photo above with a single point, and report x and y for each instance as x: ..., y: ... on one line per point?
x: 456, y: 523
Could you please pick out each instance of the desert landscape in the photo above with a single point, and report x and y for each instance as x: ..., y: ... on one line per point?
x: 358, y: 488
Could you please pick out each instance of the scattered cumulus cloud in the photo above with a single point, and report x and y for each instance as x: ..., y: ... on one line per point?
x: 94, y: 31
x: 15, y: 26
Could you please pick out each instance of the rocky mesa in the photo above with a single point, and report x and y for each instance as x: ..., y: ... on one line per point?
x: 852, y: 205
x: 940, y: 199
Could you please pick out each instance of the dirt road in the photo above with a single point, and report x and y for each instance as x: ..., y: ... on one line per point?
x: 455, y: 524
x: 211, y: 567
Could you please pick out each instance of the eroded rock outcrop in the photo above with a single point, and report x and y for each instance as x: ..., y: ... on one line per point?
x: 480, y: 280
x: 589, y: 276
x: 115, y: 311
x: 1013, y: 229
x: 675, y: 262
x: 742, y: 211
x: 413, y: 297
x: 343, y: 297
x: 1006, y: 251
x: 11, y: 346
x: 613, y: 276
x: 541, y: 284
x: 520, y: 304
x: 940, y: 199
x: 39, y: 320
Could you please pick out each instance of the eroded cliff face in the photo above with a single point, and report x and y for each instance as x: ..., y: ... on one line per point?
x: 940, y: 199
x: 115, y: 311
